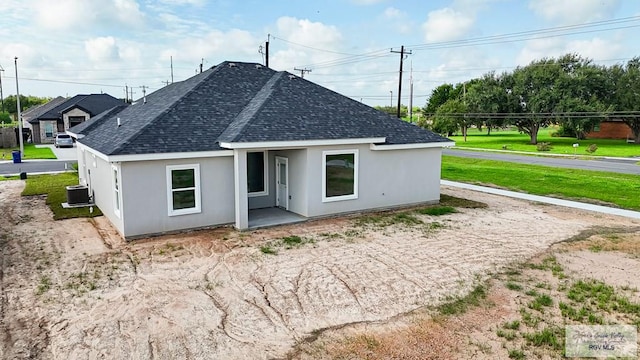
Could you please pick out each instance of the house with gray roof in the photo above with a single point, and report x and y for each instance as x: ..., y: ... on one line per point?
x: 60, y: 114
x: 239, y: 137
x: 36, y: 111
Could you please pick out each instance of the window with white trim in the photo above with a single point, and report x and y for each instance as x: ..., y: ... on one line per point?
x: 339, y: 175
x: 183, y: 189
x: 257, y: 184
x: 116, y: 190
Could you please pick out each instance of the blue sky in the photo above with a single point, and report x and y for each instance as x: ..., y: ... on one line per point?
x: 66, y: 47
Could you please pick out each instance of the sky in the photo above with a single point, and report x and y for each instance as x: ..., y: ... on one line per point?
x: 69, y: 47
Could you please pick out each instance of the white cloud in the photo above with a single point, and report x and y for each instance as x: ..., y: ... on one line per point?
x: 574, y: 11
x: 102, y: 49
x: 183, y: 2
x: 596, y: 48
x: 82, y: 14
x: 393, y: 13
x: 447, y: 24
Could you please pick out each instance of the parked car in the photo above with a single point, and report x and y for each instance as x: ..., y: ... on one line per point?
x: 63, y: 140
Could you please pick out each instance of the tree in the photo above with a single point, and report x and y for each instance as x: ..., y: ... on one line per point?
x: 26, y: 102
x: 5, y: 118
x: 441, y: 95
x: 626, y: 94
x: 536, y: 87
x: 487, y: 96
x: 392, y: 110
x: 450, y: 117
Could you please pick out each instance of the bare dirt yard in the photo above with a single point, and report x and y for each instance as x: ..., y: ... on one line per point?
x: 391, y: 285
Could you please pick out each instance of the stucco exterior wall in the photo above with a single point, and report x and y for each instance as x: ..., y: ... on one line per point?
x: 385, y: 179
x: 144, y: 194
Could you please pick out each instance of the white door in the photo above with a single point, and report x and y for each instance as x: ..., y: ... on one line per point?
x: 282, y: 182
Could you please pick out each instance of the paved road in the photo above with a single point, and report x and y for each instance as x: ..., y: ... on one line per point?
x: 33, y: 166
x: 618, y: 166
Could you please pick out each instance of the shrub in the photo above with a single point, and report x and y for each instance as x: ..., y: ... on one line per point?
x: 544, y: 146
x: 592, y: 148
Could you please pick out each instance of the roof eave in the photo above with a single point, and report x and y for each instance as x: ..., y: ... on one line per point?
x: 299, y: 143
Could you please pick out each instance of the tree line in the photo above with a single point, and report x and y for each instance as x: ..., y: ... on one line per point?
x: 570, y: 91
x: 9, y: 106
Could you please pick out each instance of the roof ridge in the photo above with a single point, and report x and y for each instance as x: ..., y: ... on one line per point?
x: 243, y: 118
x: 142, y: 129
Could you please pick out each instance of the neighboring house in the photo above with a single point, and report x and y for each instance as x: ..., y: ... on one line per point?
x: 34, y: 112
x: 239, y: 137
x: 611, y: 129
x: 68, y: 113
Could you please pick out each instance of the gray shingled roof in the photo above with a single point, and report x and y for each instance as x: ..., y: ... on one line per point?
x: 31, y: 114
x: 242, y: 102
x: 93, y: 104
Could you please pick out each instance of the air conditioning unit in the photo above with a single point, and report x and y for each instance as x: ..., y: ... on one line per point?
x: 77, y: 194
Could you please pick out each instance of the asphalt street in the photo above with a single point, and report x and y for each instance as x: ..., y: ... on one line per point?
x: 34, y: 167
x: 610, y: 165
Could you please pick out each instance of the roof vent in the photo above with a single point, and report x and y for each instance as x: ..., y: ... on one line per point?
x: 233, y: 65
x: 258, y: 66
x: 118, y: 121
x: 292, y: 77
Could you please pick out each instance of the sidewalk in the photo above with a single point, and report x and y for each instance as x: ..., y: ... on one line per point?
x: 544, y: 199
x: 580, y: 156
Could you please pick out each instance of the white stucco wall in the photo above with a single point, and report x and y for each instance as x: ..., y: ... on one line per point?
x: 144, y: 193
x: 385, y: 179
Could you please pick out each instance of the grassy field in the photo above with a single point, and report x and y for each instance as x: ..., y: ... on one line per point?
x: 54, y: 186
x: 31, y: 152
x: 513, y: 140
x: 583, y: 185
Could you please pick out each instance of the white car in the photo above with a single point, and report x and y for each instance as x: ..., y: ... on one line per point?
x: 63, y: 140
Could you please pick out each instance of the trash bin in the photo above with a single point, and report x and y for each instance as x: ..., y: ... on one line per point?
x: 23, y: 176
x: 16, y: 156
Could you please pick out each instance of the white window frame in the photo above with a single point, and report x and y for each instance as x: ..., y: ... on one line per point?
x: 196, y: 175
x: 117, y: 189
x: 265, y: 192
x: 356, y: 165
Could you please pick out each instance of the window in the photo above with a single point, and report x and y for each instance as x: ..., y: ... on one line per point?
x: 596, y: 128
x: 116, y: 190
x: 257, y: 173
x: 48, y: 129
x: 339, y: 175
x: 183, y: 185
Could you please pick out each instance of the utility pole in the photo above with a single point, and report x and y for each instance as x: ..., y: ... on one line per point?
x: 302, y: 71
x: 19, y: 112
x: 131, y: 92
x: 166, y: 83
x: 391, y: 99
x: 201, y: 65
x: 411, y: 93
x: 126, y: 93
x: 1, y: 95
x: 171, y: 68
x: 402, y: 53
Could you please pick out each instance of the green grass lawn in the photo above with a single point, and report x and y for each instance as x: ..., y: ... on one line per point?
x: 515, y: 141
x: 54, y: 186
x: 582, y: 185
x: 31, y: 152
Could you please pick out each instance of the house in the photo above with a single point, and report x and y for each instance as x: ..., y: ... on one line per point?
x: 238, y: 137
x: 36, y: 111
x: 66, y: 114
x: 611, y: 129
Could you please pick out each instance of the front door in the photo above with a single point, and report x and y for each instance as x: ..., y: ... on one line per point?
x: 282, y: 182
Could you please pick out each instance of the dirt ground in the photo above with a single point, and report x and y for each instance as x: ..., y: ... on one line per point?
x: 73, y: 289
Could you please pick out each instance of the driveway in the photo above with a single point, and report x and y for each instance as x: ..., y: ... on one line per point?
x: 67, y: 154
